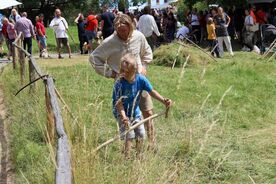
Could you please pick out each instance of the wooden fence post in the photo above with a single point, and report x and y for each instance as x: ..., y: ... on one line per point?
x: 21, y: 56
x: 50, y: 117
x: 32, y: 75
x: 13, y: 54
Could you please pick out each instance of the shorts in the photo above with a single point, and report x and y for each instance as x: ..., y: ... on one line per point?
x: 90, y: 35
x: 63, y: 41
x: 42, y: 40
x: 145, y: 102
x: 138, y: 132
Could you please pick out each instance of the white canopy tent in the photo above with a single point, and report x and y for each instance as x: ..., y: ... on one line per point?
x: 8, y: 3
x: 260, y: 1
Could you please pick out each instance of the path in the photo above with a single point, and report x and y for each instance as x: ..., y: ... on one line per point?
x: 5, y: 166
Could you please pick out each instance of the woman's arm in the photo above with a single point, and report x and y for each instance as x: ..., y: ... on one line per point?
x: 229, y: 20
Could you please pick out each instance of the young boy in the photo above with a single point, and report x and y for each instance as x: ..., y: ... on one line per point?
x: 212, y: 38
x: 126, y: 97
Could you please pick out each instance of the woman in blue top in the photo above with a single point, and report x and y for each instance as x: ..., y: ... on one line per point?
x: 126, y: 97
x: 222, y: 21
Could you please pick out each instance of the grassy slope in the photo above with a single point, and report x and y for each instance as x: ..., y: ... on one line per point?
x: 200, y: 142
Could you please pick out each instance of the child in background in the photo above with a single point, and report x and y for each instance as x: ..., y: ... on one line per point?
x: 212, y: 38
x: 126, y: 98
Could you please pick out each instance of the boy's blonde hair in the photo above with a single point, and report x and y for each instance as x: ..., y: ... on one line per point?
x: 128, y: 60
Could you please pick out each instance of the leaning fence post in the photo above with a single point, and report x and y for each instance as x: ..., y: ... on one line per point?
x: 31, y: 74
x: 50, y: 117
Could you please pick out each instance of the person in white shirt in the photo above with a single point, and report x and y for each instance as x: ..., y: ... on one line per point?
x: 182, y: 32
x: 148, y: 26
x: 194, y: 20
x: 60, y: 26
x: 105, y: 59
x: 248, y: 33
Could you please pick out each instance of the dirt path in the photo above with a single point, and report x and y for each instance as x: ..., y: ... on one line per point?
x: 5, y: 164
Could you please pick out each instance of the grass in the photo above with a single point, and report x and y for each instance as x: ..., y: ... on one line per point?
x: 220, y: 130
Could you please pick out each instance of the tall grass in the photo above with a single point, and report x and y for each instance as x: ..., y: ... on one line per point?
x: 220, y: 130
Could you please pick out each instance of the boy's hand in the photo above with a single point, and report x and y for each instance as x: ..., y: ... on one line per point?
x: 125, y: 121
x: 167, y: 102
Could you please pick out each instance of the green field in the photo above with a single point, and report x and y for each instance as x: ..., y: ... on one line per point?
x: 221, y: 128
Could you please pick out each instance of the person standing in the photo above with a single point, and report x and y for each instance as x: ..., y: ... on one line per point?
x: 25, y: 26
x: 107, y: 19
x: 148, y: 26
x: 60, y: 26
x: 105, y: 59
x: 81, y: 31
x: 91, y: 29
x: 171, y: 27
x: 248, y: 33
x: 41, y: 34
x: 194, y: 20
x: 14, y: 15
x: 222, y: 21
x: 212, y: 38
x: 11, y: 36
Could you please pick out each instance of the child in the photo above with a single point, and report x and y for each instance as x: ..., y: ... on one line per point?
x: 126, y: 97
x: 212, y: 38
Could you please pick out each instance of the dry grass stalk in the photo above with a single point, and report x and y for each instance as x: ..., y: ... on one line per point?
x: 27, y: 181
x: 251, y: 179
x: 182, y: 72
x: 177, y: 54
x: 222, y: 98
x: 75, y: 119
x: 221, y: 162
x: 205, y: 101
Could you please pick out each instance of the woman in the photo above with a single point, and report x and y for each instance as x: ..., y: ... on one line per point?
x: 222, y: 21
x: 171, y: 27
x: 11, y: 36
x: 194, y: 20
x: 164, y: 25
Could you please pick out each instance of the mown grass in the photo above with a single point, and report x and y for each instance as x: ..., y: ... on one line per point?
x: 221, y: 128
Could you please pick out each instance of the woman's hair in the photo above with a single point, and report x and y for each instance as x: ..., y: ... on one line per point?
x: 123, y: 19
x: 223, y: 15
x: 127, y: 60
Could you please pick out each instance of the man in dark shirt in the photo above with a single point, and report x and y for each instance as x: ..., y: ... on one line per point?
x: 106, y: 19
x: 81, y: 32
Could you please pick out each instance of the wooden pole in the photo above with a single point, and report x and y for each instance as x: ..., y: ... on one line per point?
x: 21, y: 61
x: 50, y: 118
x: 32, y: 76
x: 198, y: 48
x: 130, y: 129
x: 63, y: 170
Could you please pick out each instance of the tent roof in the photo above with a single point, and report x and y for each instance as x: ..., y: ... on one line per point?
x: 8, y: 3
x: 260, y: 1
